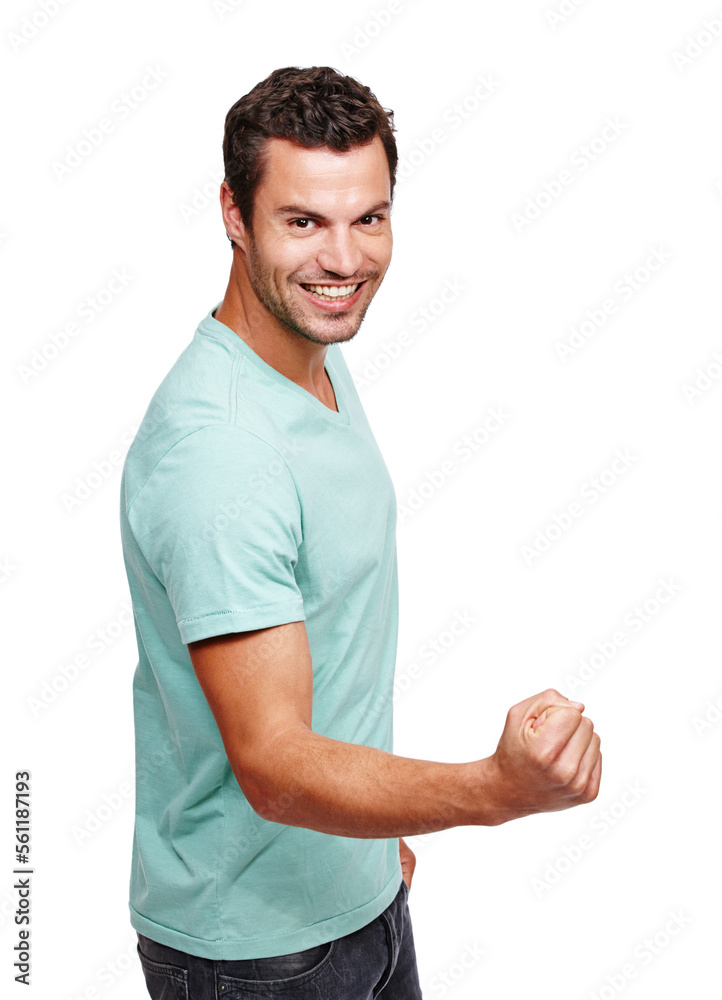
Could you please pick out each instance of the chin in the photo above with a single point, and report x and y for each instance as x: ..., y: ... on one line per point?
x: 328, y: 333
x: 329, y: 337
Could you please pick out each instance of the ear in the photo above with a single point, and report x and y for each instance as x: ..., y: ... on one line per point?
x: 232, y: 217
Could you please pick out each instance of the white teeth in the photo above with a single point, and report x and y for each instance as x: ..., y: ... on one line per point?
x: 332, y: 291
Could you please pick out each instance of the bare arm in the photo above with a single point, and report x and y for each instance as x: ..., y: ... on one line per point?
x: 259, y: 686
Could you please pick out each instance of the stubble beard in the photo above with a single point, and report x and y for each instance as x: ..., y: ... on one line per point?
x: 291, y: 315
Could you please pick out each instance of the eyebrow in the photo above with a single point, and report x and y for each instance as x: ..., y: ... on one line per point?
x: 306, y: 213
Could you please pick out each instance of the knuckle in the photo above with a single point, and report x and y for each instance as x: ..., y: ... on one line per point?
x: 546, y: 756
x: 563, y: 774
x: 590, y: 794
x: 553, y: 695
x: 578, y: 785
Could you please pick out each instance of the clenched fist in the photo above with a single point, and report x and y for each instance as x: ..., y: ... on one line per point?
x: 547, y: 759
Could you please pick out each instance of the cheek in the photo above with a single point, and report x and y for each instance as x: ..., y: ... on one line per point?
x: 380, y: 249
x: 279, y: 252
x: 380, y: 257
x: 292, y: 257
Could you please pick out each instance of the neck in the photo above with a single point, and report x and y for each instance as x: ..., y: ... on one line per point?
x: 300, y: 360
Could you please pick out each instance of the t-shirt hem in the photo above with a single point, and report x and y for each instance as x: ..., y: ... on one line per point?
x: 224, y: 622
x: 267, y: 946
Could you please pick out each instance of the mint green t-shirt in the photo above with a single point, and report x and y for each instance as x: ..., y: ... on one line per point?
x: 247, y: 503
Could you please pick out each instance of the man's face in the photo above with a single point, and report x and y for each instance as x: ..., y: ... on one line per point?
x: 321, y: 240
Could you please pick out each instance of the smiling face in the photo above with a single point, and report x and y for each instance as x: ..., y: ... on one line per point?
x: 321, y: 240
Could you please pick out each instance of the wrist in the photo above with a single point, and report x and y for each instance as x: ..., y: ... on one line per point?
x: 489, y: 794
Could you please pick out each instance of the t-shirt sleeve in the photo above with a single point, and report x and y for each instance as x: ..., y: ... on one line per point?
x: 219, y: 522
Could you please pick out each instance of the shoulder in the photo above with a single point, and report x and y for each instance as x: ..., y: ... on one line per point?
x: 211, y: 459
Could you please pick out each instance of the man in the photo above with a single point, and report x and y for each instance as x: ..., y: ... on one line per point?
x: 258, y: 524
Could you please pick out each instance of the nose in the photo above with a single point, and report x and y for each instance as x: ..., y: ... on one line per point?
x: 340, y: 252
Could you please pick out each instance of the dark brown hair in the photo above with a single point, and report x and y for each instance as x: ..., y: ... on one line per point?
x: 312, y: 107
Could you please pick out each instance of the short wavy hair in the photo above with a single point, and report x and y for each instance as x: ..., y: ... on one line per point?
x: 313, y: 107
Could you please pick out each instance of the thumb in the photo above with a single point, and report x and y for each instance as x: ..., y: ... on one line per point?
x: 543, y: 716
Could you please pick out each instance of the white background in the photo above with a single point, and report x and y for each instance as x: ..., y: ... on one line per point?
x: 551, y: 917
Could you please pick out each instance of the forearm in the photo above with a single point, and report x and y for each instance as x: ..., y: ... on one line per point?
x: 348, y: 790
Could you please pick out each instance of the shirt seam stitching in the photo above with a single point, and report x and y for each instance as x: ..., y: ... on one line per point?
x: 204, y: 427
x: 339, y: 423
x: 239, y: 611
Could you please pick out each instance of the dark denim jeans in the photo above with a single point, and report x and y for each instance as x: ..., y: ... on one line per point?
x: 377, y: 960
